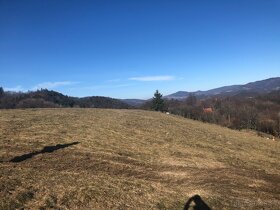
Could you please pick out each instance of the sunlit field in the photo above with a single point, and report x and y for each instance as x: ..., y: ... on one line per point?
x: 130, y: 159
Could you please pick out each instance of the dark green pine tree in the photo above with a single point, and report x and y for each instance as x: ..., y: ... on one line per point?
x: 1, y: 92
x: 158, y: 102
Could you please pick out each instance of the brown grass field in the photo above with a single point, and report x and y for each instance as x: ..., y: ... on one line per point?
x: 131, y: 159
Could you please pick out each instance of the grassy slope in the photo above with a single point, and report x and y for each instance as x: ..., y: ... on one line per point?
x: 129, y: 159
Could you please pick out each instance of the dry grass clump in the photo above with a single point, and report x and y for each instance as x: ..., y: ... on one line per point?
x: 130, y: 159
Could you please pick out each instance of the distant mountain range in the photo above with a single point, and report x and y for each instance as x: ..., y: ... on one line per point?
x: 134, y: 102
x: 48, y: 98
x: 250, y: 89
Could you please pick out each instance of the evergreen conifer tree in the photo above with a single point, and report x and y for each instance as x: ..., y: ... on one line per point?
x: 158, y: 102
x: 1, y: 92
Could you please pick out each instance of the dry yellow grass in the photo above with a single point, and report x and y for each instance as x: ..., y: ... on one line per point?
x: 130, y: 159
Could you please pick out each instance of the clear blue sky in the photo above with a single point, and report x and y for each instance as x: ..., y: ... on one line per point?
x: 128, y: 49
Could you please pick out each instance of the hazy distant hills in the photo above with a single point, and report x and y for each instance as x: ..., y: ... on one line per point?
x: 133, y: 102
x: 250, y: 89
x: 47, y: 98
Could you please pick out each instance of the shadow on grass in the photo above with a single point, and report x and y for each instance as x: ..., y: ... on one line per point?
x: 47, y: 149
x: 199, y: 203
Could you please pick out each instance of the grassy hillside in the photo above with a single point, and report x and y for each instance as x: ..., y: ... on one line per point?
x: 128, y: 159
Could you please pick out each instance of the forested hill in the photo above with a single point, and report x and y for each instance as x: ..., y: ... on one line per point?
x: 51, y: 99
x: 250, y: 89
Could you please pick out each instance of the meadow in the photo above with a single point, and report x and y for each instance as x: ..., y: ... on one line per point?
x: 131, y: 159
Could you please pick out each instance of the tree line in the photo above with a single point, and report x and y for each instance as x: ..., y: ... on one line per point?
x: 260, y: 113
x: 51, y: 99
